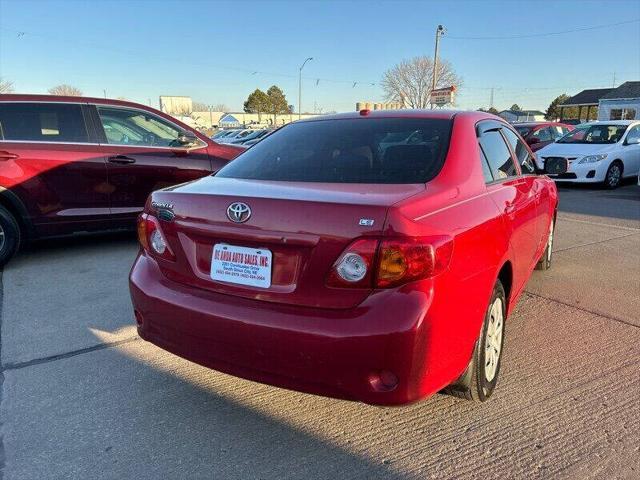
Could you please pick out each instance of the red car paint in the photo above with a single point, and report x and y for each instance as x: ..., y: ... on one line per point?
x: 541, y: 134
x: 351, y: 343
x: 57, y: 188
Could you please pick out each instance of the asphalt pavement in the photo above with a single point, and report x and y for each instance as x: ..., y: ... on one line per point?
x: 81, y: 396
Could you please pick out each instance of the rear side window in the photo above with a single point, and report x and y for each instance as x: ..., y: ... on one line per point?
x: 498, y: 155
x: 522, y: 154
x: 43, y: 122
x: 363, y: 150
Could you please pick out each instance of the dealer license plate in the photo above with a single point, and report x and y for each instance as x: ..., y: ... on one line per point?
x: 241, y: 265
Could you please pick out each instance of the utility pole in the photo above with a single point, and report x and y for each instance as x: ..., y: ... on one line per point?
x: 105, y: 92
x: 613, y: 85
x: 300, y: 87
x: 491, y: 99
x: 434, y: 79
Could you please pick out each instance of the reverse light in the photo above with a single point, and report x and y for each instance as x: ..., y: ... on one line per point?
x: 151, y: 237
x: 593, y: 158
x: 354, y: 267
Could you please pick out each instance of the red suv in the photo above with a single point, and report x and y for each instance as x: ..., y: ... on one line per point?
x: 540, y: 134
x: 75, y: 164
x: 370, y: 256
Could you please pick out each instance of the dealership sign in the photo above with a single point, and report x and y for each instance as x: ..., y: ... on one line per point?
x: 442, y: 96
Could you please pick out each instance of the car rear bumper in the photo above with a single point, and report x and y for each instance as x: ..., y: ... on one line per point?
x: 347, y: 354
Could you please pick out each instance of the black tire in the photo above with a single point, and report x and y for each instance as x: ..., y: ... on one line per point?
x: 613, y: 178
x: 9, y: 236
x: 545, y: 260
x: 474, y: 383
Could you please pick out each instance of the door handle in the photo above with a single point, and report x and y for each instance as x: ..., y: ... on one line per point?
x: 8, y: 155
x: 509, y: 208
x: 122, y: 160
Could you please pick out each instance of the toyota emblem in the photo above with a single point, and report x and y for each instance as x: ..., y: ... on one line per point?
x: 238, y: 212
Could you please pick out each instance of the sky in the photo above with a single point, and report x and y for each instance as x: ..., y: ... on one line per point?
x: 219, y: 52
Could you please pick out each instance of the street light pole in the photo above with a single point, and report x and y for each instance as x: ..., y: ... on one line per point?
x: 434, y: 77
x: 300, y: 87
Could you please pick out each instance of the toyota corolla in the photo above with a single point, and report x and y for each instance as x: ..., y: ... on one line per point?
x: 372, y: 256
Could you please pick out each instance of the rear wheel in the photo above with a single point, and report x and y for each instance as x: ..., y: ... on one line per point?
x: 9, y: 236
x: 481, y: 376
x: 545, y: 260
x: 614, y: 175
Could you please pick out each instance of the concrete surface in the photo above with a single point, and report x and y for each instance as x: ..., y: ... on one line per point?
x: 83, y: 398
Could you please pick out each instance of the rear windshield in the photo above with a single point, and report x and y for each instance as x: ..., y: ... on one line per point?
x: 380, y: 150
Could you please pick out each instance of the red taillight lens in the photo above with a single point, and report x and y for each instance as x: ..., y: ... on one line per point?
x: 151, y: 237
x: 355, y: 267
x: 408, y: 259
x: 386, y: 263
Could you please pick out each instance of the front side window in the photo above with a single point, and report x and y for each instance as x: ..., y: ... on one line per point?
x: 543, y: 134
x: 600, y: 133
x: 634, y: 135
x: 134, y: 127
x: 363, y: 150
x: 521, y: 151
x: 43, y: 122
x: 498, y: 155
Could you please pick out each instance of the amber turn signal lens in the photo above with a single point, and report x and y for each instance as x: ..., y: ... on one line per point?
x: 142, y: 231
x: 393, y: 265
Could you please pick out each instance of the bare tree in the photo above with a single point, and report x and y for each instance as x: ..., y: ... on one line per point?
x: 6, y: 86
x: 200, y: 107
x: 66, y: 90
x: 220, y: 107
x: 409, y: 82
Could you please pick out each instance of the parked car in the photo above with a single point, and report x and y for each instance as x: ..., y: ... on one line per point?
x: 596, y: 152
x: 236, y: 135
x: 73, y: 164
x: 253, y: 141
x: 541, y: 134
x: 253, y: 135
x: 317, y: 262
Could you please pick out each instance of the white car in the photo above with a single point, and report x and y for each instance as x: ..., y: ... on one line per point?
x: 596, y: 152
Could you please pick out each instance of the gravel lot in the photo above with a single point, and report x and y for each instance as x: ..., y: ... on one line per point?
x: 83, y: 397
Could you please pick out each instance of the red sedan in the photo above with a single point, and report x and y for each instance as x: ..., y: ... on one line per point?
x: 371, y: 256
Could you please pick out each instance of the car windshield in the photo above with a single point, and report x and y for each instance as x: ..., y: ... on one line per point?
x: 348, y: 151
x: 523, y: 131
x: 599, y: 133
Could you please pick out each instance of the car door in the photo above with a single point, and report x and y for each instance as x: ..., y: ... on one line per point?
x: 143, y: 155
x: 515, y: 196
x: 50, y: 159
x: 631, y: 151
x: 543, y: 135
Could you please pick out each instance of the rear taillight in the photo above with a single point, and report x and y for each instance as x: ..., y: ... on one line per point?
x: 151, y: 237
x: 386, y: 263
x: 354, y: 268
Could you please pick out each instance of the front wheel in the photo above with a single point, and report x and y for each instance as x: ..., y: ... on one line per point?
x: 614, y: 175
x: 481, y: 376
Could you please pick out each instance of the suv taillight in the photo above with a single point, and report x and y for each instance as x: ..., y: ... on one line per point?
x: 387, y: 263
x: 151, y: 237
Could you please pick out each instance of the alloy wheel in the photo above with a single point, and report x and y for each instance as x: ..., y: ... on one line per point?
x: 493, y: 340
x: 613, y: 176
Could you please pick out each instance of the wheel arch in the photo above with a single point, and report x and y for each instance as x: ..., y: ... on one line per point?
x: 12, y: 202
x: 505, y: 275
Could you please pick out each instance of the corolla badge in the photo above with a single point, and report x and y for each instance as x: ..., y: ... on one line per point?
x: 238, y: 212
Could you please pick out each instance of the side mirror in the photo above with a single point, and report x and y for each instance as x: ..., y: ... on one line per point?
x: 533, y: 140
x: 186, y: 138
x: 633, y: 140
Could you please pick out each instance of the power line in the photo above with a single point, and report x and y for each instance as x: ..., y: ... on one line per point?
x: 547, y: 34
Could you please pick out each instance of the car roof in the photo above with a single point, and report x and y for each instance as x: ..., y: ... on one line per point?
x: 535, y: 124
x: 611, y: 122
x: 406, y: 113
x: 19, y: 97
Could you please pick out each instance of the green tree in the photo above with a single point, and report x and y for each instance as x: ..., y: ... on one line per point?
x: 278, y: 104
x: 515, y: 107
x: 553, y: 112
x: 257, y: 102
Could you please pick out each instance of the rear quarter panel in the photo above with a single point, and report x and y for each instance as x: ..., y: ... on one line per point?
x: 458, y: 205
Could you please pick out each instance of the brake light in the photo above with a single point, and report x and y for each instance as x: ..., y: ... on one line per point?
x: 386, y: 263
x: 151, y: 237
x: 414, y: 258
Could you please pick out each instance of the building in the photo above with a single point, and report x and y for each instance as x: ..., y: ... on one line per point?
x: 514, y: 116
x: 619, y: 103
x: 176, y: 106
x: 211, y: 119
x: 378, y: 106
